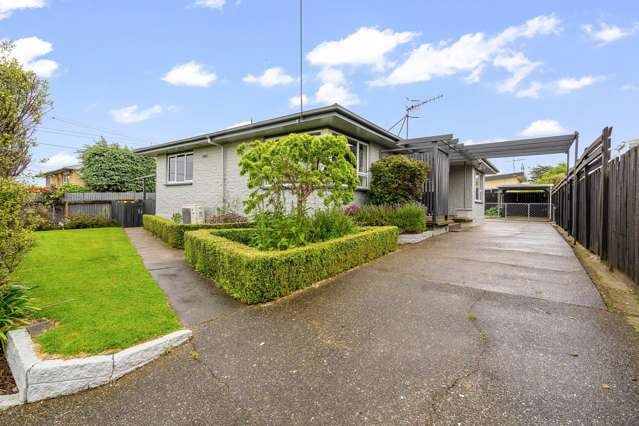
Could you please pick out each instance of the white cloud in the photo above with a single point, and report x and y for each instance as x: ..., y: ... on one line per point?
x: 275, y: 76
x: 133, y: 114
x: 566, y: 85
x: 294, y: 101
x: 541, y: 128
x: 331, y: 75
x: 518, y: 65
x: 58, y: 160
x: 609, y: 33
x: 190, y: 74
x: 366, y: 46
x: 211, y: 4
x: 28, y: 50
x: 470, y: 54
x: 532, y: 91
x: 331, y: 93
x: 7, y: 7
x: 241, y: 123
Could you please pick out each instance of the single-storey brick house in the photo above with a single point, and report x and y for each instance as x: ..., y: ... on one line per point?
x: 203, y: 170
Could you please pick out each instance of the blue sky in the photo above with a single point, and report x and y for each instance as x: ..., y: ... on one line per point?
x: 149, y: 71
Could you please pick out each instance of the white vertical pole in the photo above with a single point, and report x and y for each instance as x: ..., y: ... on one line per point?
x: 528, y: 212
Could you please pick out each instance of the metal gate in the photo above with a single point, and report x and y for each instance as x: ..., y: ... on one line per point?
x: 521, y: 211
x: 127, y: 213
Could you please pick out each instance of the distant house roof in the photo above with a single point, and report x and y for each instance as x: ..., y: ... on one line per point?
x: 521, y: 176
x: 70, y: 168
x: 333, y: 117
x: 526, y: 186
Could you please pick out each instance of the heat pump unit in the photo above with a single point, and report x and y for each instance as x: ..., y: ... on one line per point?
x: 192, y: 214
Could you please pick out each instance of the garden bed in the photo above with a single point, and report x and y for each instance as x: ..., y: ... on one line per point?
x: 92, y: 284
x: 255, y: 276
x: 172, y: 233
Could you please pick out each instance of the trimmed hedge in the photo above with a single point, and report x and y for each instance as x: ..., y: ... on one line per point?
x: 173, y: 233
x: 254, y: 276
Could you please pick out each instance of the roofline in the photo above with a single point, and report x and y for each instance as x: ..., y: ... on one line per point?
x: 334, y: 109
x: 73, y: 168
x: 503, y: 175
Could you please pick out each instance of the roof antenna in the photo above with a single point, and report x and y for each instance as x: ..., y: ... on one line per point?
x: 301, y: 66
x: 413, y: 105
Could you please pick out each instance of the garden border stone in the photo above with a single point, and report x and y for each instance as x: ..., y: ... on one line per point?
x: 418, y: 238
x: 39, y: 379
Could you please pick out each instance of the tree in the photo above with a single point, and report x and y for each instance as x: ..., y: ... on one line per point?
x: 552, y: 174
x: 15, y: 233
x: 397, y: 179
x: 536, y: 171
x: 23, y: 100
x: 111, y: 168
x: 301, y: 164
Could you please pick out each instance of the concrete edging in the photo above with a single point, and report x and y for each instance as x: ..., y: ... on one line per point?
x: 418, y: 238
x: 39, y: 379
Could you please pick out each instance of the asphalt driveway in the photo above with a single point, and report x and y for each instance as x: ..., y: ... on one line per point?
x: 496, y: 324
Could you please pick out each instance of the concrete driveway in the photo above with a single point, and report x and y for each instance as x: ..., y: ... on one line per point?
x: 498, y: 324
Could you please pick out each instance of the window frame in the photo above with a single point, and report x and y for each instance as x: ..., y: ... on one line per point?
x: 479, y: 187
x: 172, y: 180
x: 365, y: 174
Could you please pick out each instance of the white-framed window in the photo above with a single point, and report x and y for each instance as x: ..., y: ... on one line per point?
x: 180, y: 168
x: 65, y: 179
x: 360, y: 149
x: 479, y: 186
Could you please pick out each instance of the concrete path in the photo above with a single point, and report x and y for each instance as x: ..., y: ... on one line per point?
x: 493, y: 325
x: 194, y: 298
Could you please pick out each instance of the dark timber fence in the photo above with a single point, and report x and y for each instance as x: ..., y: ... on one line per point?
x: 598, y: 205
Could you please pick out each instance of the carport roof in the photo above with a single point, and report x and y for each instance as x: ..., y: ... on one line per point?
x: 515, y: 148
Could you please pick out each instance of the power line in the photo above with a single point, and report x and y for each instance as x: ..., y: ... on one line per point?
x: 101, y: 130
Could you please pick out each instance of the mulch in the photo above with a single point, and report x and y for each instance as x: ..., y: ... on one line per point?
x: 7, y: 384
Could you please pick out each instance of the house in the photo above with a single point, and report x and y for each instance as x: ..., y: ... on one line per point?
x: 63, y: 176
x: 495, y: 181
x: 203, y: 170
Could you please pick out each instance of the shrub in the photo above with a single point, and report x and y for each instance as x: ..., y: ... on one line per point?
x: 254, y: 276
x: 397, y: 180
x: 228, y: 217
x: 173, y: 233
x: 83, y: 221
x: 329, y: 224
x: 176, y: 217
x: 409, y: 218
x: 15, y: 307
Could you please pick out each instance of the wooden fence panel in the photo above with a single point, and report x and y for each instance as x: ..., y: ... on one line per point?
x: 597, y: 203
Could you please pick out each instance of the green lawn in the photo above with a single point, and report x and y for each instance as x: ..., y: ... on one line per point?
x: 93, y: 284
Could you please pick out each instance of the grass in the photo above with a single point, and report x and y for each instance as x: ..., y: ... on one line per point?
x: 93, y: 285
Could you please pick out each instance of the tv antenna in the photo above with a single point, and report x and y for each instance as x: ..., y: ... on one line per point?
x: 412, y: 106
x: 518, y: 160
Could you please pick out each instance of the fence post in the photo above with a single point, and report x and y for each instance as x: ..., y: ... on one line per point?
x: 603, y: 234
x: 528, y: 212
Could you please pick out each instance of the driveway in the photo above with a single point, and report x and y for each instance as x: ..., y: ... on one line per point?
x: 496, y: 324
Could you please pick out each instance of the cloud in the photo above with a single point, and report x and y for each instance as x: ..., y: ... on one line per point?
x: 210, y: 4
x: 366, y: 46
x: 331, y: 93
x: 7, y: 7
x: 58, y: 160
x: 133, y: 114
x: 566, y: 85
x: 294, y: 101
x: 470, y: 54
x: 608, y: 33
x: 541, y: 128
x: 561, y: 87
x: 28, y: 50
x: 190, y: 74
x: 275, y: 76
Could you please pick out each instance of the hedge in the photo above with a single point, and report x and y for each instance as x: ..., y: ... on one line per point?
x: 173, y: 233
x: 409, y: 218
x: 254, y: 276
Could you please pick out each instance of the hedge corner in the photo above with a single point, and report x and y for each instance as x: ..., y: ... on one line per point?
x: 254, y: 276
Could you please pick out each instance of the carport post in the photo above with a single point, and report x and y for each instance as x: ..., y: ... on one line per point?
x: 528, y: 212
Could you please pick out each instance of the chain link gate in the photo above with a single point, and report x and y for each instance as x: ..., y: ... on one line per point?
x: 519, y: 211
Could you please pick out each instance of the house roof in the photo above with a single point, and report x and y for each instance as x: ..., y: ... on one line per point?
x: 61, y: 170
x: 521, y: 175
x: 334, y: 117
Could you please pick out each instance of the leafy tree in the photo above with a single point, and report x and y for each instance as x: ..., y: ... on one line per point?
x: 15, y: 233
x: 23, y: 100
x: 536, y: 172
x: 109, y: 167
x: 553, y: 174
x: 397, y: 179
x: 301, y: 164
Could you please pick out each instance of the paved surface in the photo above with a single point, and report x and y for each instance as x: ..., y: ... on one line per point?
x: 192, y: 296
x: 407, y: 339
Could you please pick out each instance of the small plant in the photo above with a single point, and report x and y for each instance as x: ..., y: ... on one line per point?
x: 397, y: 179
x: 15, y: 308
x: 409, y: 218
x: 176, y: 218
x: 491, y: 211
x: 329, y: 224
x: 471, y: 317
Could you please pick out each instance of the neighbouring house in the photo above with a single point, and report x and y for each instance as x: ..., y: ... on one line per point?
x: 494, y: 181
x: 63, y: 176
x: 201, y: 173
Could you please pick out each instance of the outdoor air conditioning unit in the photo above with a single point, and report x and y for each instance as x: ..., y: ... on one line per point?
x: 192, y: 214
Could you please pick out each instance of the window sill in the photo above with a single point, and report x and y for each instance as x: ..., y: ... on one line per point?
x: 178, y: 183
x: 479, y: 202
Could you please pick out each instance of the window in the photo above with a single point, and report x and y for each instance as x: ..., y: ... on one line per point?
x: 360, y: 149
x: 479, y: 187
x: 65, y: 179
x: 180, y: 168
